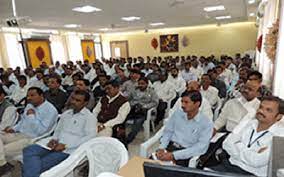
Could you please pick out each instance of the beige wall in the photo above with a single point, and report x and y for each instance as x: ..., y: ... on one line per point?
x: 203, y: 40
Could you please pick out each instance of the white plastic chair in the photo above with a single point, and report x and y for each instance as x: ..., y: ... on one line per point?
x: 104, y: 154
x: 151, y: 115
x: 108, y: 174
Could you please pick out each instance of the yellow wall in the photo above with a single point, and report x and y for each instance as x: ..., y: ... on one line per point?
x: 203, y: 40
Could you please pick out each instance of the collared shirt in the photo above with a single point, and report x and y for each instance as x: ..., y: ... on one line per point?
x: 205, y: 108
x: 194, y: 135
x: 128, y: 87
x: 91, y: 75
x: 35, y: 125
x: 178, y: 83
x: 8, y: 117
x: 165, y: 90
x: 234, y: 111
x: 121, y: 115
x: 248, y: 157
x: 75, y: 129
x: 67, y: 80
x: 57, y: 98
x: 147, y: 98
x: 19, y: 93
x: 211, y: 94
x: 188, y: 76
x: 197, y: 71
x: 210, y: 65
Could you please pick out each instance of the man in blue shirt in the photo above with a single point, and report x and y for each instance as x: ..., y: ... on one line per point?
x: 76, y: 126
x: 38, y: 118
x: 187, y: 133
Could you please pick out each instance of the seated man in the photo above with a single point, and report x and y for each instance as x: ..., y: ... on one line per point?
x: 75, y: 127
x: 205, y: 106
x: 38, y: 118
x: 111, y: 110
x: 236, y: 109
x: 187, y: 133
x: 141, y: 100
x: 165, y: 91
x: 8, y: 111
x: 20, y: 91
x: 84, y: 85
x: 54, y: 94
x: 99, y: 90
x: 249, y: 150
x: 208, y: 91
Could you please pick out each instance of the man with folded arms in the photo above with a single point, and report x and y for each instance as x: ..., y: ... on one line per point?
x: 76, y: 126
x: 249, y: 149
x: 38, y: 118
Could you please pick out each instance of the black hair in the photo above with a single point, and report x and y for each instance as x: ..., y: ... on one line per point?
x: 276, y: 99
x: 257, y: 74
x: 2, y: 91
x: 22, y: 77
x: 144, y: 79
x: 37, y: 89
x: 86, y: 82
x: 56, y: 77
x: 194, y: 95
x: 83, y: 93
x: 113, y: 83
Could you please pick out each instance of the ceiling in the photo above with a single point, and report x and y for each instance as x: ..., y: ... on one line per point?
x: 56, y: 13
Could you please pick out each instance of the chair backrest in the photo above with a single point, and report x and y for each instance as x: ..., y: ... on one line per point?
x: 104, y: 154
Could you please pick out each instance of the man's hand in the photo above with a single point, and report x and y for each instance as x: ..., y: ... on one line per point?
x: 60, y: 147
x: 52, y: 144
x: 30, y: 111
x: 261, y: 150
x: 160, y: 153
x: 167, y: 156
x: 9, y: 130
x: 101, y: 127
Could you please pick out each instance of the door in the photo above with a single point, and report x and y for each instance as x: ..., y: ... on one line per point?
x: 119, y: 49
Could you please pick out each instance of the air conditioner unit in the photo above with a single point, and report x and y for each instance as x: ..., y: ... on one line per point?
x: 18, y: 21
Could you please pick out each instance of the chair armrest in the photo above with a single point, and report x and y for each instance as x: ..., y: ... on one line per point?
x: 150, y: 142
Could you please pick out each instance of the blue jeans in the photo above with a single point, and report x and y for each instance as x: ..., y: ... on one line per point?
x: 38, y: 159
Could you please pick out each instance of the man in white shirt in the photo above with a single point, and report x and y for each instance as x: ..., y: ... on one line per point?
x: 236, y: 109
x: 205, y: 106
x: 67, y: 80
x: 89, y: 73
x: 166, y: 92
x: 8, y: 111
x: 196, y: 69
x: 75, y: 127
x: 20, y: 91
x: 249, y: 150
x: 187, y: 75
x: 208, y: 91
x: 177, y: 81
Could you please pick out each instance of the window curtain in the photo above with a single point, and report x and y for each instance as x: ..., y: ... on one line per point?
x: 11, y: 51
x: 264, y: 63
x: 58, y: 49
x: 279, y: 63
x: 73, y: 44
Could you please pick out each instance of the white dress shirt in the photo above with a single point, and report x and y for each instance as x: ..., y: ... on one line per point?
x: 244, y: 147
x: 211, y: 94
x: 74, y: 129
x: 178, y: 83
x: 205, y: 108
x: 121, y: 115
x: 19, y: 93
x: 188, y: 76
x: 67, y: 80
x: 165, y: 90
x: 91, y: 75
x: 234, y: 111
x: 9, y: 117
x: 197, y: 71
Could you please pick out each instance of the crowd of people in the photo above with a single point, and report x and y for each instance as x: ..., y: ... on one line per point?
x: 86, y: 100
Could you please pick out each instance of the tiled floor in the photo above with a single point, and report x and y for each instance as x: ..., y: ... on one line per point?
x: 133, y: 150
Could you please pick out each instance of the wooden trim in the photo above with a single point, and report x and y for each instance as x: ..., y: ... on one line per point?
x: 115, y: 42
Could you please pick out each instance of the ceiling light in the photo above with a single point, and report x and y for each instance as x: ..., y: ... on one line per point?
x: 131, y: 18
x: 214, y: 8
x: 104, y: 29
x: 86, y: 9
x: 252, y: 14
x: 223, y: 17
x: 72, y: 26
x: 251, y: 1
x: 157, y: 24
